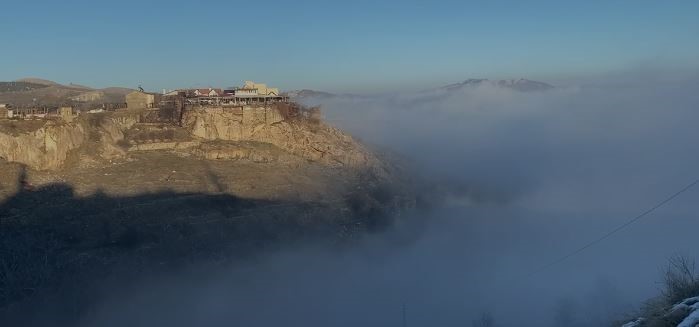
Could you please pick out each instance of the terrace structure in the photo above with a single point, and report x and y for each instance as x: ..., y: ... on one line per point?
x: 249, y: 93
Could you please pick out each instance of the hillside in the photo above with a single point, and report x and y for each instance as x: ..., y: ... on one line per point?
x: 34, y: 91
x: 37, y: 81
x: 107, y: 196
x: 6, y: 87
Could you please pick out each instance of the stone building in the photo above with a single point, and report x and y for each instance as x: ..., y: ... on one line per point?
x: 140, y: 100
x: 260, y: 89
x: 66, y: 113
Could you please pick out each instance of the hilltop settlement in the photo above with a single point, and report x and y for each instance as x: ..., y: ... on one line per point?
x: 250, y: 93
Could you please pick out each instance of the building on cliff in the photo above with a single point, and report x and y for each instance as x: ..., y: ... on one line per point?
x: 250, y: 93
x: 207, y: 92
x: 259, y: 89
x: 140, y: 100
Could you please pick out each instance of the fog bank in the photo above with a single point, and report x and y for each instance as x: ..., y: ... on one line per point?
x: 557, y: 168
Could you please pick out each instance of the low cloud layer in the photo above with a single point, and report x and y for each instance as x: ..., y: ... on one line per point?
x: 562, y: 167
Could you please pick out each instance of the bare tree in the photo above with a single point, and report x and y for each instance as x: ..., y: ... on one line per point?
x: 681, y: 279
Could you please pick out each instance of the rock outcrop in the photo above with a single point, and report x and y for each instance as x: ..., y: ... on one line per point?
x: 45, y: 148
x: 258, y: 134
x: 308, y: 139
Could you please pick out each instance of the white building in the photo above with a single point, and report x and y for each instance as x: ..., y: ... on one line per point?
x: 208, y: 92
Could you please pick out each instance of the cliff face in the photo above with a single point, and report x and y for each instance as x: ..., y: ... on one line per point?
x: 45, y: 148
x: 313, y: 141
x: 217, y: 132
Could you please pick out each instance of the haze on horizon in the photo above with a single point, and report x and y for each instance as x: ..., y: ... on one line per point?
x: 358, y: 46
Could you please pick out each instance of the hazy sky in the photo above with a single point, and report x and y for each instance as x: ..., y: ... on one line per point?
x: 337, y: 45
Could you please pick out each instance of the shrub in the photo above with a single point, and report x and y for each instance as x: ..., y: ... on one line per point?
x: 681, y: 280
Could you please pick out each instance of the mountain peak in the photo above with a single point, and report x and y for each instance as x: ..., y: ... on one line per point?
x: 522, y: 84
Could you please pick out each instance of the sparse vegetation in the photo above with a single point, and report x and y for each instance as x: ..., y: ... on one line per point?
x: 681, y: 282
x: 19, y: 86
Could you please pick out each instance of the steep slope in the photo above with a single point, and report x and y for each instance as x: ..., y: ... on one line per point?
x: 305, y: 138
x: 103, y: 213
x: 311, y: 140
x: 48, y: 146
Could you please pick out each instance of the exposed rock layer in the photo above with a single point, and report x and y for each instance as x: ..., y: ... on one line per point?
x: 103, y: 136
x: 45, y: 148
x: 312, y: 141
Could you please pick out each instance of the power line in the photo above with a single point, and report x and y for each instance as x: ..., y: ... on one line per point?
x: 616, y: 230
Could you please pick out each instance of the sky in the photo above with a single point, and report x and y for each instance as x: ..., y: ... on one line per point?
x: 339, y: 46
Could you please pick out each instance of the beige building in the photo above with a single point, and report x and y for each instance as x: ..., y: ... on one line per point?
x: 66, y: 113
x: 261, y: 88
x: 140, y: 100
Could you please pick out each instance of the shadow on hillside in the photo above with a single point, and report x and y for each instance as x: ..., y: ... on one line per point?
x: 56, y: 244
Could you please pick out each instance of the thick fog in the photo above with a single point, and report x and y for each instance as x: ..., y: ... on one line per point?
x: 528, y: 177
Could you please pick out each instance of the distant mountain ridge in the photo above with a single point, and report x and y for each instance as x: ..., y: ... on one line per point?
x: 522, y: 84
x: 306, y: 93
x: 35, y: 80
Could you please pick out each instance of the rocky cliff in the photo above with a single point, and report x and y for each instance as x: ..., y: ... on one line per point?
x: 308, y: 139
x: 208, y: 132
x: 45, y: 148
x: 48, y: 147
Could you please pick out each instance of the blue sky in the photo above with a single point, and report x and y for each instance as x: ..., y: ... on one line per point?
x: 338, y: 45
